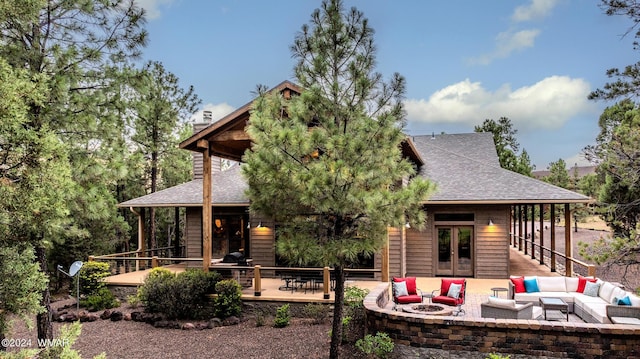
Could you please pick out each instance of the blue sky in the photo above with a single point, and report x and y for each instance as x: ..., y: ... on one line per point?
x: 533, y: 61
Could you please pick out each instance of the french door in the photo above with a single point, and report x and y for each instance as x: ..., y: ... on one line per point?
x: 455, y: 251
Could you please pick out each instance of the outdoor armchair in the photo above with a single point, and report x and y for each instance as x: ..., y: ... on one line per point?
x: 452, y: 292
x: 508, y: 309
x: 404, y: 291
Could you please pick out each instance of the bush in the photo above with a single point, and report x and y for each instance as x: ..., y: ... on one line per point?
x: 379, y: 345
x: 91, y: 277
x: 497, y: 356
x: 353, y: 327
x: 317, y: 312
x: 228, y: 301
x: 182, y: 296
x: 282, y: 316
x: 103, y: 299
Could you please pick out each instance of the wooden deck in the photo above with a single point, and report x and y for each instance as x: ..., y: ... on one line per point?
x: 519, y: 265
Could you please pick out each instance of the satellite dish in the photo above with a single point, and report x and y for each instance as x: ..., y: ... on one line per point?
x: 75, y: 267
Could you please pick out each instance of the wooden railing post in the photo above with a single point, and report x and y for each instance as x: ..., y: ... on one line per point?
x: 591, y: 271
x: 326, y: 279
x: 257, y: 281
x: 92, y: 258
x: 154, y: 261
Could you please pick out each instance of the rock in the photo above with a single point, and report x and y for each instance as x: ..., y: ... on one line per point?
x: 69, y: 317
x: 188, y: 326
x: 202, y: 326
x: 175, y: 325
x: 55, y: 315
x: 161, y: 324
x: 127, y: 317
x: 231, y: 321
x: 82, y: 315
x: 106, y: 314
x: 137, y: 316
x: 90, y: 318
x: 213, y: 323
x: 116, y: 316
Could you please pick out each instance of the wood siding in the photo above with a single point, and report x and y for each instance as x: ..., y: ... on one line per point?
x: 395, y: 252
x: 490, y: 246
x: 193, y: 235
x: 419, y: 249
x: 263, y: 242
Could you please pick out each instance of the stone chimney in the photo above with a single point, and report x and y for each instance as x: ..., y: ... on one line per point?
x: 197, y: 157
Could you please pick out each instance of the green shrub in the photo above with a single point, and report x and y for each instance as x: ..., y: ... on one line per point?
x: 283, y: 317
x: 91, y: 277
x: 379, y: 345
x: 182, y: 296
x: 68, y: 335
x: 317, y: 312
x: 228, y: 301
x: 103, y: 299
x: 497, y: 356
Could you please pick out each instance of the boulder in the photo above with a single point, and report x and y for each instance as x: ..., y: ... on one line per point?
x: 106, y: 314
x: 188, y: 326
x: 127, y: 317
x: 231, y: 321
x: 90, y: 318
x: 116, y: 316
x: 213, y: 323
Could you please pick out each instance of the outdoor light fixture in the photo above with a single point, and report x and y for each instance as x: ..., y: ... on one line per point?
x: 73, y: 270
x: 248, y: 225
x: 407, y: 225
x: 259, y: 225
x: 490, y: 222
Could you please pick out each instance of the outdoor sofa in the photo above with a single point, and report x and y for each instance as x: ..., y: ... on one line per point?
x: 499, y: 308
x: 591, y: 299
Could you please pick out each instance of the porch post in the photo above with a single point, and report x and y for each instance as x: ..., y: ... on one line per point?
x: 520, y: 227
x: 533, y: 231
x: 176, y: 242
x: 206, y: 205
x: 552, y: 217
x: 568, y: 250
x: 526, y: 209
x: 385, y: 260
x: 541, y: 233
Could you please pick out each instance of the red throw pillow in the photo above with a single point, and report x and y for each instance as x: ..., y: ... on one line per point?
x: 582, y: 282
x: 518, y: 283
x: 411, y: 284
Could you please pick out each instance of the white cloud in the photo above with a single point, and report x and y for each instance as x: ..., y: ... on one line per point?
x: 537, y: 9
x: 506, y: 43
x: 547, y: 104
x: 577, y: 159
x: 218, y: 111
x: 152, y: 7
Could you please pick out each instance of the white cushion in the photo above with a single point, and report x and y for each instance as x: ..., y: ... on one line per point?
x: 400, y: 288
x: 591, y: 289
x: 454, y: 291
x: 606, y: 289
x: 502, y: 302
x: 552, y: 284
x: 572, y: 284
x: 635, y: 300
x: 617, y: 293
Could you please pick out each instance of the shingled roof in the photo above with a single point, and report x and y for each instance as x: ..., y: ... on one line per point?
x: 228, y: 190
x: 464, y: 167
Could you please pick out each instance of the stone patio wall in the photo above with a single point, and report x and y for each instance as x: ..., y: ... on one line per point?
x: 417, y: 334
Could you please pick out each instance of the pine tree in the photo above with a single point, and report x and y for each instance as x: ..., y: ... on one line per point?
x: 160, y: 110
x: 327, y: 165
x: 507, y: 146
x: 77, y: 47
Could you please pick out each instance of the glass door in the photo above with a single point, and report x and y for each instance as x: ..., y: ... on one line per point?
x: 455, y: 251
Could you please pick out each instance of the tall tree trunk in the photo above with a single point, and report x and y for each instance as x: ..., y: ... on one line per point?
x: 152, y: 210
x: 338, y: 306
x: 45, y: 328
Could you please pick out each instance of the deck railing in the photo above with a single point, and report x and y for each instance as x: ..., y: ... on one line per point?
x: 125, y: 262
x: 551, y: 258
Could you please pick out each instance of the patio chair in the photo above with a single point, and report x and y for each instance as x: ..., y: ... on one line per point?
x: 404, y: 291
x: 452, y: 292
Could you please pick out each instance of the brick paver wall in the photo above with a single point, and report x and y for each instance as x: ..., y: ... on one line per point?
x: 530, y: 337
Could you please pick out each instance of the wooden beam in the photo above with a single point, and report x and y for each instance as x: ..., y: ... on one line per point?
x: 232, y: 135
x: 568, y: 248
x: 526, y: 248
x: 207, y: 209
x: 202, y: 144
x: 520, y: 227
x: 552, y: 216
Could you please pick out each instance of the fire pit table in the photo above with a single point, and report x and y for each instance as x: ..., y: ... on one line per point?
x: 428, y: 309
